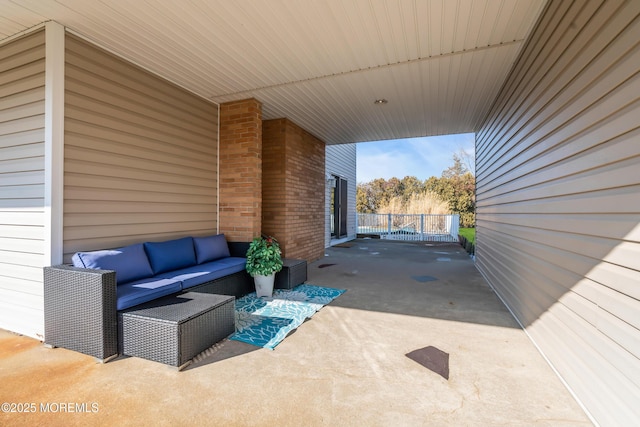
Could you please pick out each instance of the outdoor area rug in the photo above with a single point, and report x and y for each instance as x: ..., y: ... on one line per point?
x: 265, y: 322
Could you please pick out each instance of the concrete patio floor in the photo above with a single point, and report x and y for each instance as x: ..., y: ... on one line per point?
x: 345, y: 366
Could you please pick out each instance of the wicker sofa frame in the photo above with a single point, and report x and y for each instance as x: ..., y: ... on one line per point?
x: 80, y: 305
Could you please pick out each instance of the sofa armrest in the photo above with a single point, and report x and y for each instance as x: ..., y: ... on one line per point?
x: 80, y: 310
x: 238, y: 249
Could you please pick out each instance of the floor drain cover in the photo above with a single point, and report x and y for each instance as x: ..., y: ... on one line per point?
x: 424, y: 279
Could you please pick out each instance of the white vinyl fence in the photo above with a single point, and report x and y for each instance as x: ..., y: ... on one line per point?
x: 417, y: 227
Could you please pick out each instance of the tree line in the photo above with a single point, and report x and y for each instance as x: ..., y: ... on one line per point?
x: 452, y: 192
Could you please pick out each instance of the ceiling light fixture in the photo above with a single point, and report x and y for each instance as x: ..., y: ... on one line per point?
x: 380, y: 101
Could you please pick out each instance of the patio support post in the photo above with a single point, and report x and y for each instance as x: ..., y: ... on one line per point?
x: 53, y: 142
x: 240, y: 170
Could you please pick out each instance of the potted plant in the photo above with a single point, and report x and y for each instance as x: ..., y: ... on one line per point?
x: 264, y: 260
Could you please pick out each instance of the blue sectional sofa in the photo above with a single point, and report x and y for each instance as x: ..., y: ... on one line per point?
x: 82, y: 301
x: 147, y: 271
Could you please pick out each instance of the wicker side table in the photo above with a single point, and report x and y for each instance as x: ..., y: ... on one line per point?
x: 174, y: 329
x: 294, y: 272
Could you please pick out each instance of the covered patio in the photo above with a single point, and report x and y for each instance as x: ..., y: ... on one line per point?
x: 347, y: 365
x: 122, y: 123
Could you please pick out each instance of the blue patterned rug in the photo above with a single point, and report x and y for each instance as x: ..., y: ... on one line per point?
x: 264, y: 322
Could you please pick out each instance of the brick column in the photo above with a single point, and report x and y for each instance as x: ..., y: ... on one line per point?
x: 240, y: 166
x: 293, y: 189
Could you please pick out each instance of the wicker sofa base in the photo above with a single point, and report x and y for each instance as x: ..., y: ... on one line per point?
x: 80, y: 307
x: 80, y: 310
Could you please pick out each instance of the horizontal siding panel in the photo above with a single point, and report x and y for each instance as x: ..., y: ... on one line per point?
x: 23, y: 192
x: 84, y: 142
x: 586, y: 299
x: 22, y: 271
x: 616, y: 277
x: 82, y: 55
x: 24, y: 320
x: 22, y: 125
x: 22, y: 218
x: 22, y: 85
x: 34, y: 108
x: 15, y: 285
x: 23, y: 51
x: 79, y: 206
x: 21, y: 232
x: 626, y: 312
x: 22, y: 302
x: 621, y: 226
x: 27, y: 137
x: 620, y: 174
x: 27, y: 205
x: 162, y: 173
x: 83, y: 84
x: 558, y: 229
x: 140, y: 230
x: 136, y: 123
x: 588, y: 203
x: 563, y: 334
x: 108, y: 219
x: 21, y: 245
x: 623, y: 99
x: 572, y: 158
x: 22, y: 79
x: 25, y: 178
x: 24, y: 151
x: 13, y: 106
x: 557, y: 68
x: 91, y: 195
x: 137, y: 185
x: 583, y: 251
x: 22, y: 165
x: 525, y: 77
x: 140, y: 155
x: 618, y: 329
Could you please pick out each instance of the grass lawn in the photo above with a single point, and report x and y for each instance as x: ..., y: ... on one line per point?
x: 469, y: 234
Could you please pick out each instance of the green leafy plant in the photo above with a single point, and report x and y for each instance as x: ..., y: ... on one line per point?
x: 264, y: 256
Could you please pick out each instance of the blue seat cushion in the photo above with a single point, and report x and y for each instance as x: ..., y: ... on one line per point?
x: 130, y: 262
x: 171, y: 255
x: 201, y: 273
x: 211, y: 248
x: 144, y: 290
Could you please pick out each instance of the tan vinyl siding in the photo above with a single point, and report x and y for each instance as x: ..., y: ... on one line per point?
x: 558, y: 199
x: 141, y: 155
x: 22, y: 80
x: 341, y: 161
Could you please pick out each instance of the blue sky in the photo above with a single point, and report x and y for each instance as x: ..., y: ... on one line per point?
x: 419, y: 157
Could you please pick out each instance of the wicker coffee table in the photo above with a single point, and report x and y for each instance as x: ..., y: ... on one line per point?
x: 174, y: 329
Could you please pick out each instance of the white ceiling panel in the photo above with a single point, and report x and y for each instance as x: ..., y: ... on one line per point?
x: 320, y: 63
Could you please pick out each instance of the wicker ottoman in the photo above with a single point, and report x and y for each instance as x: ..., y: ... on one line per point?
x: 294, y: 272
x: 174, y: 329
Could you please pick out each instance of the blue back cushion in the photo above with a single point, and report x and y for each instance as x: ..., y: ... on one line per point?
x: 170, y: 255
x: 130, y: 263
x: 211, y: 248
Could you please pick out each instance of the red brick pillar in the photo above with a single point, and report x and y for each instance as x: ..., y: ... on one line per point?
x: 293, y: 189
x: 240, y: 168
